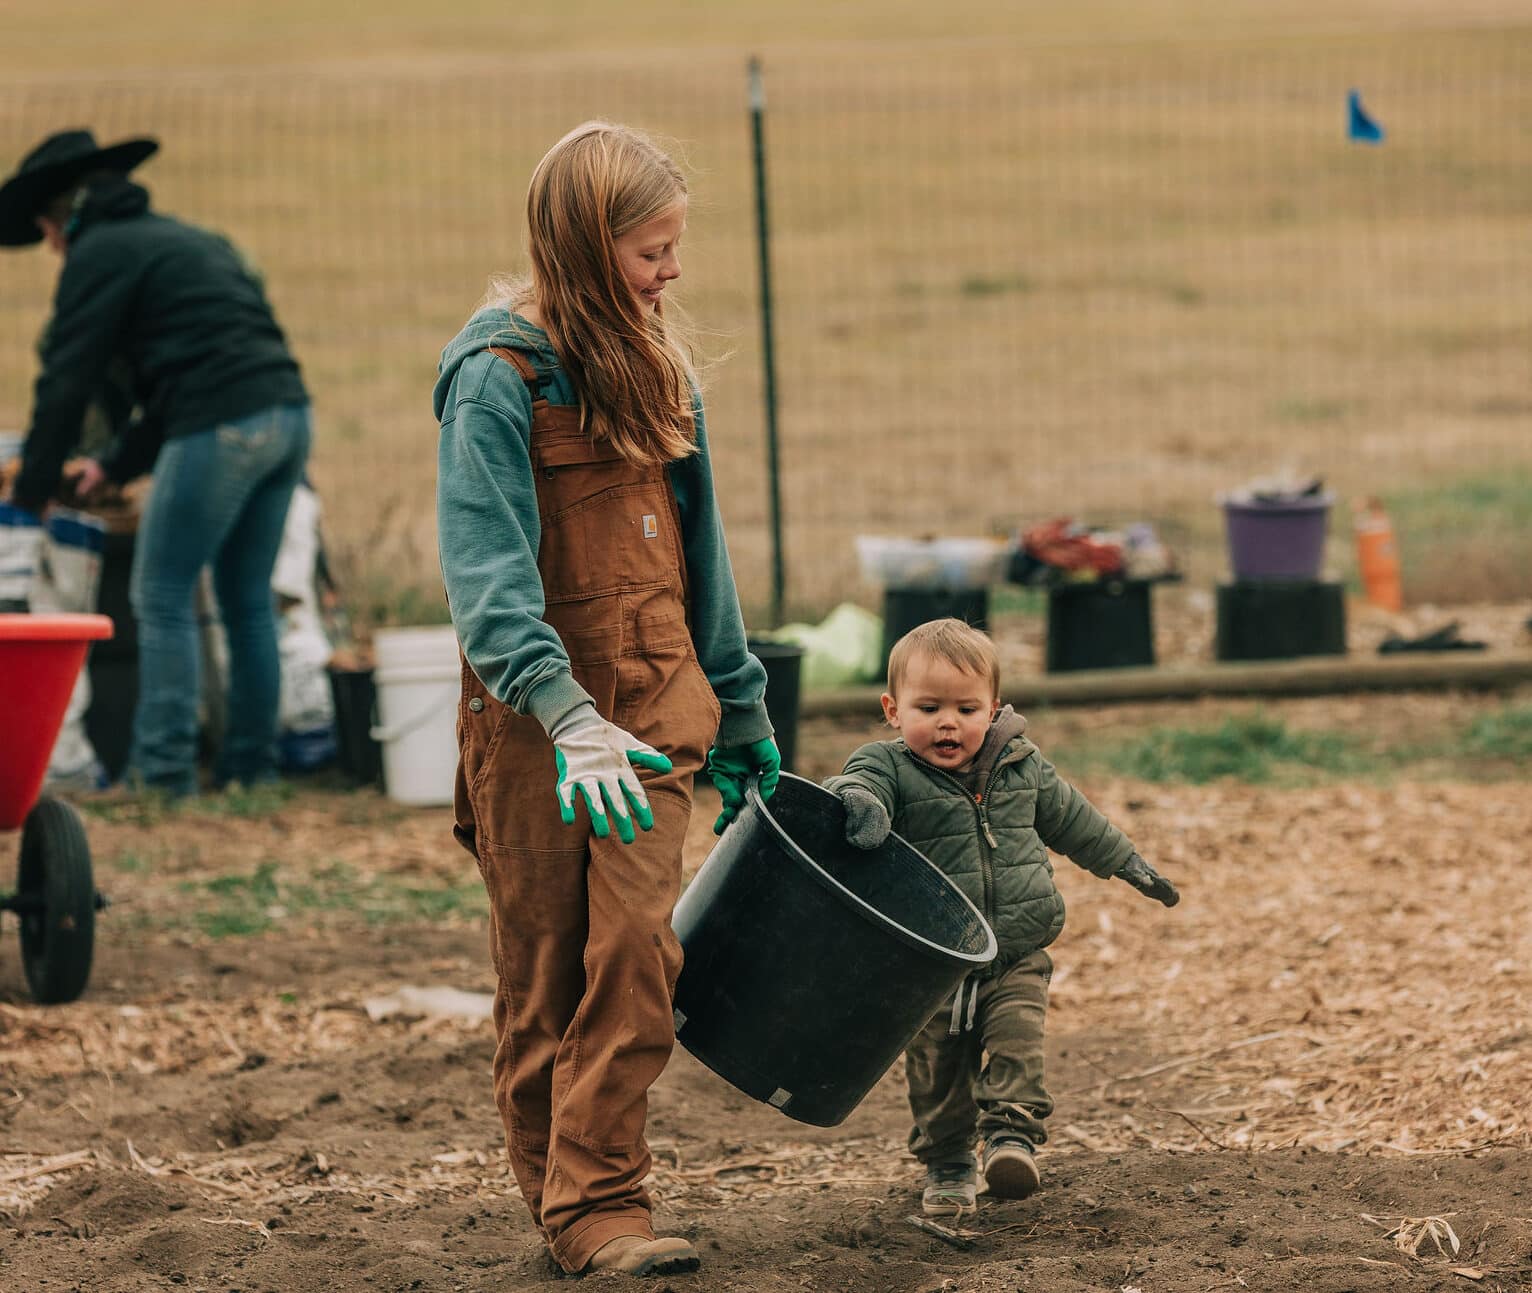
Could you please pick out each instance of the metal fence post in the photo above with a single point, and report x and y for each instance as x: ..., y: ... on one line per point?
x: 768, y: 351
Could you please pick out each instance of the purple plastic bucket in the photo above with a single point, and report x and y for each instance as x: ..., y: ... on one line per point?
x: 1277, y: 540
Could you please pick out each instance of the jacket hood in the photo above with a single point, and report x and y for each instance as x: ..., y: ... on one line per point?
x: 1004, y: 728
x: 494, y: 325
x: 110, y: 199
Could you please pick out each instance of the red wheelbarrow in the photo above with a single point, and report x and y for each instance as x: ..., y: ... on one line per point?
x: 55, y: 898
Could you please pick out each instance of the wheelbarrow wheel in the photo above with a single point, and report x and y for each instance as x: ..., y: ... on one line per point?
x: 57, y: 901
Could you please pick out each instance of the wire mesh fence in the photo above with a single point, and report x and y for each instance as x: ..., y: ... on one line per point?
x: 1011, y: 283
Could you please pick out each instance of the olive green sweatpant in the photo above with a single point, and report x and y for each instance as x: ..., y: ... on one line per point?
x: 988, y: 1078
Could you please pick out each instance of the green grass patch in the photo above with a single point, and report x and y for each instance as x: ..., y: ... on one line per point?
x: 1298, y: 409
x: 352, y: 805
x: 238, y: 906
x: 1464, y: 539
x: 384, y: 601
x: 130, y: 862
x: 1506, y: 735
x: 239, y: 801
x: 1499, y: 497
x: 1014, y: 599
x: 1255, y: 749
x: 1260, y: 750
x: 994, y: 285
x: 1182, y: 293
x: 151, y: 808
x: 148, y: 809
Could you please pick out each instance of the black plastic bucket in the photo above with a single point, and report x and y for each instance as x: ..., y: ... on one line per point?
x: 784, y: 662
x: 811, y: 964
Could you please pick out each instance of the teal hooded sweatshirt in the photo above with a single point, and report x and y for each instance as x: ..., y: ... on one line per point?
x: 488, y: 532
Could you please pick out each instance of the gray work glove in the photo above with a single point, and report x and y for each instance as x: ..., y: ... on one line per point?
x: 1148, y: 881
x: 867, y: 823
x: 595, y: 761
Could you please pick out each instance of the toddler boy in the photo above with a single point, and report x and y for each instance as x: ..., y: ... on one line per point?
x: 964, y: 786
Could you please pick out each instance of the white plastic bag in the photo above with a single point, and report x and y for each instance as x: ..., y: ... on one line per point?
x: 845, y: 648
x: 21, y: 541
x: 67, y: 581
x: 306, y: 703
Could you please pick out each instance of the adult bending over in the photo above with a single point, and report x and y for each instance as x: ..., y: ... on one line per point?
x: 223, y: 421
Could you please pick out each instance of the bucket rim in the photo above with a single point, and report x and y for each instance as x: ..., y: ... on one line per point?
x: 441, y: 672
x: 400, y: 631
x: 1298, y: 503
x: 777, y: 650
x: 860, y: 905
x: 25, y: 626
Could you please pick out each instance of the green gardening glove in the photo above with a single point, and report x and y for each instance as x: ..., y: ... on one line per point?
x: 731, y: 769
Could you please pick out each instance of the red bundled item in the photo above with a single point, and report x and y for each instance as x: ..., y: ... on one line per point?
x: 1065, y: 546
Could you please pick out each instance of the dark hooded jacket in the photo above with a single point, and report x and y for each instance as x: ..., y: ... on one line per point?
x: 183, y: 312
x: 989, y: 831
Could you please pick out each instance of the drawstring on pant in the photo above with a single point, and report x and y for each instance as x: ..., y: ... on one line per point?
x: 961, y: 1021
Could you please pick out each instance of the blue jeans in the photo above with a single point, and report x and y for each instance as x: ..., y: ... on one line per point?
x: 220, y: 498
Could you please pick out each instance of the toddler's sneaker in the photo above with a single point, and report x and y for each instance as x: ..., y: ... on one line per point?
x: 951, y: 1189
x: 1010, y: 1167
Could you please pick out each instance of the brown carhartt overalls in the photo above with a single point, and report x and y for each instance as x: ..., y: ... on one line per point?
x: 579, y: 926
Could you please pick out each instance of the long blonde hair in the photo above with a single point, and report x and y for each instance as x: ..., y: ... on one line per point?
x: 630, y: 370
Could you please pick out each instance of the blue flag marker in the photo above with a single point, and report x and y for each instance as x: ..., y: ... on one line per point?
x: 1360, y: 128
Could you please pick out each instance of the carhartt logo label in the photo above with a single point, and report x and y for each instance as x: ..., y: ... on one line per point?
x: 651, y: 526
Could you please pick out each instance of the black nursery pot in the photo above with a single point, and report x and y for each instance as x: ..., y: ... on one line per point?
x: 908, y: 608
x: 784, y: 668
x: 359, y: 756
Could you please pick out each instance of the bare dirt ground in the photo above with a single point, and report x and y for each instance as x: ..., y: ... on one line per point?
x: 1304, y: 1077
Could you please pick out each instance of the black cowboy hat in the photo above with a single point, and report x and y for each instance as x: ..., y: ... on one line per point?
x: 53, y: 166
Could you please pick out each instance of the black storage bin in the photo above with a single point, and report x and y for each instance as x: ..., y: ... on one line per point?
x: 1274, y: 619
x: 908, y: 608
x: 112, y: 597
x: 359, y: 757
x: 113, y: 698
x: 1105, y: 625
x: 784, y: 669
x: 810, y: 964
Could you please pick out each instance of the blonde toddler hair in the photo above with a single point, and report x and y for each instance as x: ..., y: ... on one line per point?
x: 960, y: 645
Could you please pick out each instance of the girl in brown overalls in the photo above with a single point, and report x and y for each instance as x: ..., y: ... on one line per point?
x: 604, y: 653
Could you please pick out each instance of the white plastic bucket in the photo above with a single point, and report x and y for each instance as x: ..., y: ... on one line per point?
x: 417, y: 679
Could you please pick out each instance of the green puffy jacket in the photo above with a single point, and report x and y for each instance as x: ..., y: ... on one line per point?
x: 994, y: 845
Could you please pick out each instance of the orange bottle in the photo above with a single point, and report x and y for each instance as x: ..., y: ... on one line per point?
x: 1378, y: 556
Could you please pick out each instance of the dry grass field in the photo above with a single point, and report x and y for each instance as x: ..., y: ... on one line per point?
x: 1102, y: 260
